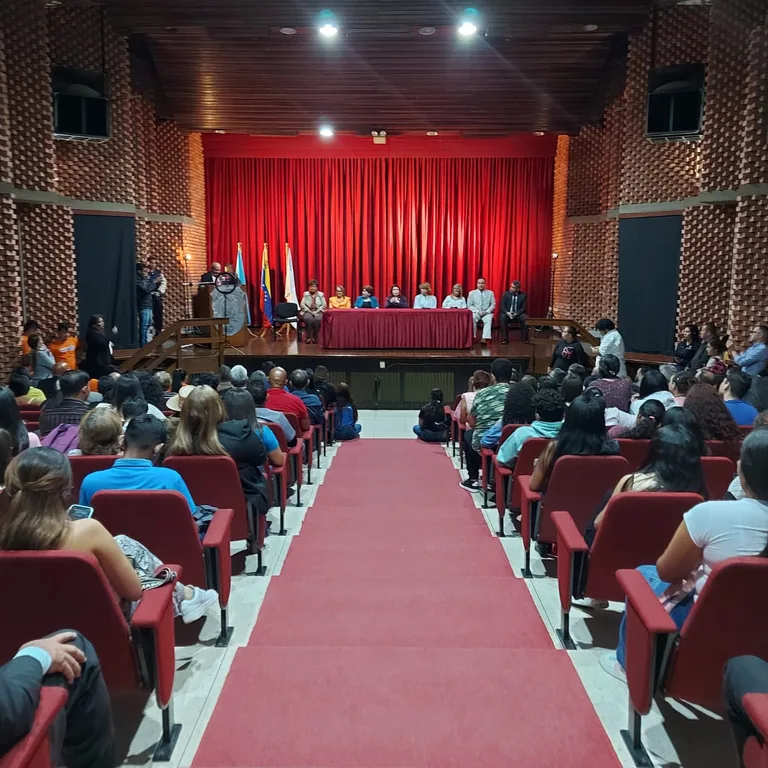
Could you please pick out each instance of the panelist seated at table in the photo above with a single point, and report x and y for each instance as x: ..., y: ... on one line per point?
x: 367, y: 300
x: 396, y: 300
x: 340, y: 300
x: 311, y: 310
x: 455, y: 299
x: 482, y: 302
x: 425, y: 299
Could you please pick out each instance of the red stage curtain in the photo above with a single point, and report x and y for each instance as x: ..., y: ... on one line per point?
x: 382, y: 221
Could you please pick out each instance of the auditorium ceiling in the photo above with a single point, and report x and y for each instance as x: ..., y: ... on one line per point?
x: 533, y: 65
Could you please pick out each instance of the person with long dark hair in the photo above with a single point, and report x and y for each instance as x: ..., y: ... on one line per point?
x: 582, y: 434
x: 687, y: 347
x: 13, y: 424
x: 616, y: 390
x: 129, y: 385
x: 649, y: 418
x: 98, y: 360
x: 345, y: 426
x: 687, y: 420
x: 653, y: 386
x: 396, y: 300
x: 714, y: 419
x: 433, y: 425
x: 680, y: 385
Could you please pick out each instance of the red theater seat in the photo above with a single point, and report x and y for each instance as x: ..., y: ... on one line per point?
x: 161, y: 521
x: 487, y: 455
x: 82, y: 466
x: 719, y: 471
x: 635, y: 530
x: 635, y: 452
x: 59, y: 589
x: 34, y: 750
x: 278, y: 477
x: 755, y: 751
x: 731, y: 450
x: 297, y: 455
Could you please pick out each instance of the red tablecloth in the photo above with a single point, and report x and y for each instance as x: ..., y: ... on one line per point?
x: 397, y: 329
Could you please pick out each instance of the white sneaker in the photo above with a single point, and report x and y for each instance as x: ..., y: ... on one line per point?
x: 610, y: 665
x: 591, y: 602
x: 196, y: 607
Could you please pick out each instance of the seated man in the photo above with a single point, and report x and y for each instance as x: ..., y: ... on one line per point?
x: 754, y: 360
x: 279, y: 399
x: 144, y: 437
x: 82, y: 735
x: 258, y: 391
x: 482, y: 303
x: 327, y: 389
x: 550, y: 409
x: 513, y: 305
x: 299, y: 382
x: 733, y: 389
x: 71, y: 408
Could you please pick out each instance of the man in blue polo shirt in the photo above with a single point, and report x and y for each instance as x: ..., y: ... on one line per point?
x: 144, y: 436
x: 733, y: 389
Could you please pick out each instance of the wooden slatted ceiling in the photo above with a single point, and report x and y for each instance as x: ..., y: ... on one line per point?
x: 225, y: 66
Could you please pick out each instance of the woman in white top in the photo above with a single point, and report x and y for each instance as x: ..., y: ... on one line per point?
x: 456, y: 298
x: 710, y: 533
x: 425, y: 299
x: 611, y: 343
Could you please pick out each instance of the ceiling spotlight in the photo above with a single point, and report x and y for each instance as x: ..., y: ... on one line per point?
x: 287, y: 31
x: 468, y: 22
x: 538, y: 133
x: 590, y: 27
x: 427, y: 31
x: 328, y: 30
x: 326, y: 131
x: 219, y: 131
x: 431, y: 133
x: 327, y: 25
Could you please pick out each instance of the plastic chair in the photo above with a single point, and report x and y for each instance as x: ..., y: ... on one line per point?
x: 718, y: 474
x: 487, y: 455
x: 59, y: 589
x: 635, y: 452
x: 162, y: 522
x: 755, y: 753
x: 34, y: 750
x: 214, y: 480
x: 277, y: 476
x: 724, y: 622
x: 731, y: 450
x: 577, y: 484
x: 635, y: 530
x: 82, y: 466
x: 303, y: 438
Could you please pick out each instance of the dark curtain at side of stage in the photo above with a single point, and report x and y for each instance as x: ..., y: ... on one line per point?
x: 105, y: 253
x: 386, y: 221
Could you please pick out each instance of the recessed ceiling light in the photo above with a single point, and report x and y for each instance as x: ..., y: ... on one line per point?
x: 590, y: 27
x: 468, y: 22
x: 326, y: 131
x: 426, y: 31
x: 287, y: 31
x: 467, y: 28
x: 431, y: 133
x: 328, y: 30
x: 219, y: 131
x: 538, y: 133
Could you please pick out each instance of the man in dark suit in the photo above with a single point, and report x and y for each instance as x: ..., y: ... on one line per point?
x: 212, y: 274
x: 82, y: 735
x: 513, y: 305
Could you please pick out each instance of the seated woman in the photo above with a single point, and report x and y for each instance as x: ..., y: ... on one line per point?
x: 649, y: 418
x: 569, y: 351
x: 710, y: 533
x: 396, y: 300
x: 714, y: 419
x: 129, y: 385
x: 250, y: 444
x: 425, y: 299
x: 340, y: 300
x: 653, y: 386
x: 432, y: 426
x: 311, y: 309
x: 197, y: 429
x: 41, y: 360
x: 455, y: 300
x: 367, y: 300
x: 12, y: 423
x: 680, y: 385
x: 345, y: 415
x: 131, y: 408
x: 617, y: 391
x: 716, y: 350
x: 100, y: 434
x: 35, y: 518
x: 21, y: 385
x: 6, y: 454
x: 478, y: 380
x: 582, y: 434
x: 687, y: 347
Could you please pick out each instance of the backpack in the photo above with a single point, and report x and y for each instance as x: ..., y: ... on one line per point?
x: 63, y: 438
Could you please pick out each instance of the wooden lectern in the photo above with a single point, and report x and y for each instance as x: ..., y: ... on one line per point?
x: 208, y: 302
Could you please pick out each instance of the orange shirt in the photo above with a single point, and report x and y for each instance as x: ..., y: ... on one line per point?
x: 64, y: 351
x: 25, y: 350
x: 336, y: 303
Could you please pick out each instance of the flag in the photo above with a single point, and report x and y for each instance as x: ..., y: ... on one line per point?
x: 240, y: 272
x: 266, y: 287
x: 290, y: 279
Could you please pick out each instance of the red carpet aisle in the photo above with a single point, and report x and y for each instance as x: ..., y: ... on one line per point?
x: 397, y: 636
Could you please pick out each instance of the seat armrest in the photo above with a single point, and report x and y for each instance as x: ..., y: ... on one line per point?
x: 487, y: 452
x: 218, y: 533
x: 568, y: 536
x: 569, y: 542
x: 527, y: 499
x: 217, y: 538
x: 502, y: 469
x: 649, y: 629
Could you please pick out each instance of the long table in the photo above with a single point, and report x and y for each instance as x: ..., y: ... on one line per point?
x: 397, y: 329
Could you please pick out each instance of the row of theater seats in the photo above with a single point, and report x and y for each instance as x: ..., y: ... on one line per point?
x: 636, y: 529
x: 66, y: 589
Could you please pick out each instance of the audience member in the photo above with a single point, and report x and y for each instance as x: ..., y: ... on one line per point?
x: 38, y: 481
x: 129, y: 385
x: 653, y: 386
x: 582, y: 434
x: 547, y: 382
x: 557, y: 374
x: 21, y: 386
x: 735, y: 491
x: 72, y: 406
x: 249, y: 443
x: 568, y: 351
x: 650, y: 417
x: 267, y: 366
x: 100, y: 433
x: 41, y: 360
x: 6, y: 453
x: 716, y: 350
x: 754, y: 360
x: 178, y: 379
x: 31, y: 327
x: 571, y: 388
x: 239, y: 376
x: 680, y: 384
x: 687, y: 347
x: 713, y: 417
x: 550, y: 408
x: 578, y: 370
x: 710, y: 378
x: 700, y: 356
x: 197, y: 430
x: 616, y: 390
x: 313, y: 404
x: 132, y: 407
x: 280, y: 400
x: 681, y: 417
x: 151, y: 390
x: 345, y: 425
x: 259, y: 396
x: 432, y: 426
x: 710, y: 533
x: 518, y: 409
x: 64, y: 346
x: 166, y: 382
x: 733, y: 390
x: 325, y: 387
x: 487, y: 409
x: 668, y: 371
x: 477, y: 381
x: 82, y: 734
x: 13, y: 424
x: 611, y: 343
x: 225, y: 379
x: 531, y: 381
x: 205, y: 379
x: 176, y: 402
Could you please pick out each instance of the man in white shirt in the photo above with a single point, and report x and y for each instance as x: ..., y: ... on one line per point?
x: 482, y: 303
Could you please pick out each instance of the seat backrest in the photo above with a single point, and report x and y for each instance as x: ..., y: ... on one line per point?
x: 531, y: 449
x: 279, y: 434
x: 731, y: 450
x: 507, y: 430
x: 293, y: 420
x: 727, y: 620
x: 82, y: 466
x: 160, y: 520
x: 285, y: 310
x: 456, y: 403
x: 578, y: 484
x: 745, y: 430
x: 214, y: 480
x: 635, y: 452
x: 48, y: 591
x: 719, y: 471
x: 635, y: 530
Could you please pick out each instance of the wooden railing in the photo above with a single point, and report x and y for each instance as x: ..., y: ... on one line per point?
x: 548, y: 322
x: 155, y: 354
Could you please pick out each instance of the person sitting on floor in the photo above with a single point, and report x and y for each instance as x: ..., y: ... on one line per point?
x: 549, y: 407
x: 38, y: 481
x: 313, y: 404
x: 649, y: 418
x: 709, y: 533
x: 21, y: 385
x: 82, y: 734
x: 432, y: 426
x: 733, y: 389
x: 345, y: 415
x: 714, y: 418
x: 518, y: 409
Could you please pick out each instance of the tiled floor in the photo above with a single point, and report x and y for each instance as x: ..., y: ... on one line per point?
x: 675, y: 734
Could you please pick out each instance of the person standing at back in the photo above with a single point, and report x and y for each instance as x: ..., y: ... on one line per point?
x: 159, y: 288
x: 143, y: 302
x: 482, y: 303
x: 64, y: 346
x: 611, y: 343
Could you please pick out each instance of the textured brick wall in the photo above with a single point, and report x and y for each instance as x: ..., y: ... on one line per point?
x: 561, y: 232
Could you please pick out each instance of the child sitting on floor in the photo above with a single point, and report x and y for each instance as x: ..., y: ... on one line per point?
x: 432, y: 426
x: 345, y: 425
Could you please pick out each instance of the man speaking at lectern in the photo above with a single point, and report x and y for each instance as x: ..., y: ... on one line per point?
x: 212, y: 274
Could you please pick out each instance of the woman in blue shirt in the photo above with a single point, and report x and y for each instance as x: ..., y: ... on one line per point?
x: 367, y: 300
x: 425, y: 299
x: 345, y: 415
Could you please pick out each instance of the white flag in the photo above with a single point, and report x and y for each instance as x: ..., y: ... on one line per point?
x: 290, y: 279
